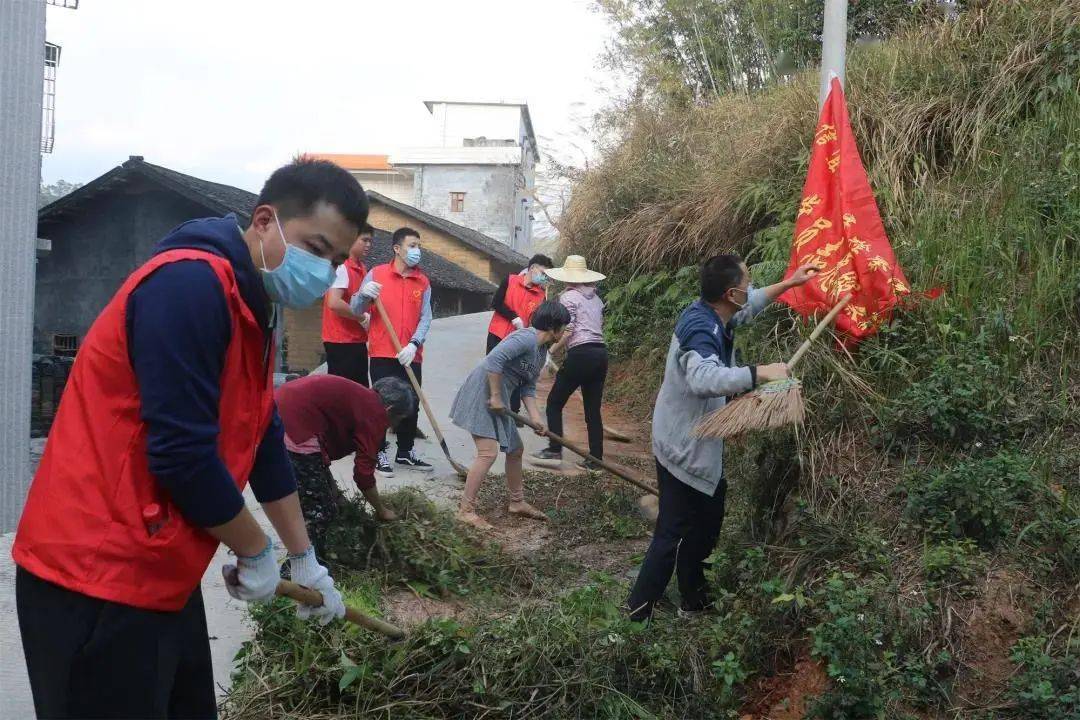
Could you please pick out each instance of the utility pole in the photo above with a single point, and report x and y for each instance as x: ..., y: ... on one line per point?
x: 833, y: 46
x: 22, y: 80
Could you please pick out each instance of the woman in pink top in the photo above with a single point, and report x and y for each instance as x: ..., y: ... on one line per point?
x: 586, y: 360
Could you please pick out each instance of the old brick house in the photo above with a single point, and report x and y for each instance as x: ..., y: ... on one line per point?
x: 93, y: 238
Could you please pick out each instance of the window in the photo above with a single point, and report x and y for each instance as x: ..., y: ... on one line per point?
x: 65, y: 344
x: 457, y: 202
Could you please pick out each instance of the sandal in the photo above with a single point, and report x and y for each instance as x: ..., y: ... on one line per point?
x: 524, y: 509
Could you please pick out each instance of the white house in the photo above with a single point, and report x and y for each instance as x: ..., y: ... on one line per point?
x: 481, y: 174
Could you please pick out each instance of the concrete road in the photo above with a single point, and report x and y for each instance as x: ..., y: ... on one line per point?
x: 454, y: 347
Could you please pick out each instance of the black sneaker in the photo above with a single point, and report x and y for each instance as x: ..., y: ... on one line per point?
x: 383, y: 466
x: 548, y: 454
x: 411, y: 461
x: 589, y: 465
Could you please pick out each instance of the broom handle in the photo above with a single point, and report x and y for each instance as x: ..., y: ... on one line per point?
x: 613, y: 469
x: 817, y: 331
x: 461, y: 469
x: 307, y: 596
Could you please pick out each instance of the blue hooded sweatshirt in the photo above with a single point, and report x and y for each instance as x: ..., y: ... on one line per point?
x: 178, y: 328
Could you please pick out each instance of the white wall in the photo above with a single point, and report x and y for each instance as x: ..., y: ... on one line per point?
x: 394, y: 185
x: 495, y: 122
x: 22, y: 79
x: 489, y: 196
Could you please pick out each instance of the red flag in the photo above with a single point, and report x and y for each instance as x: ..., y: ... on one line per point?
x: 839, y: 230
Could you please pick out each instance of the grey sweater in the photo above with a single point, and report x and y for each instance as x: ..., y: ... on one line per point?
x: 698, y: 377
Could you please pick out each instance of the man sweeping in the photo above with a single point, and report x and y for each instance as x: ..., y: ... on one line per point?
x: 328, y: 418
x: 167, y: 415
x: 344, y: 333
x: 698, y: 376
x: 405, y: 292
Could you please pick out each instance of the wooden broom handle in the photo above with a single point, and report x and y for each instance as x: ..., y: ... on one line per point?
x: 307, y: 596
x: 817, y: 331
x: 613, y: 469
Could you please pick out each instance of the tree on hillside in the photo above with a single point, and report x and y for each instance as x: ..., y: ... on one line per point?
x: 55, y: 191
x: 689, y: 50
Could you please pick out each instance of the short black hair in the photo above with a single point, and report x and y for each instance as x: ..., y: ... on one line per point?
x: 295, y: 189
x: 719, y: 274
x: 550, y: 316
x: 542, y: 260
x: 366, y: 230
x: 403, y: 232
x: 397, y: 397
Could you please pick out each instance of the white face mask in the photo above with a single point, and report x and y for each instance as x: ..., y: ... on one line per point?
x: 747, y: 293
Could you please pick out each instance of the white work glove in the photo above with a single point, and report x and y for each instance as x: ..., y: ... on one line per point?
x: 371, y: 290
x: 365, y: 320
x: 405, y: 357
x: 305, y: 570
x: 517, y: 323
x: 253, y: 579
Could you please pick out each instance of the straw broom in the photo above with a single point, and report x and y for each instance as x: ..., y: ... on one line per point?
x: 772, y: 405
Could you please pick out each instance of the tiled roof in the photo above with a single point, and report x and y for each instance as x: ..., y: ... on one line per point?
x: 221, y: 199
x: 355, y: 162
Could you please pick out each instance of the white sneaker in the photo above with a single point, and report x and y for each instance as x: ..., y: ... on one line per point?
x: 383, y: 466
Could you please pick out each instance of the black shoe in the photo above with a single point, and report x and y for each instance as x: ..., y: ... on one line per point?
x: 548, y: 454
x: 589, y: 465
x: 693, y: 610
x: 411, y: 461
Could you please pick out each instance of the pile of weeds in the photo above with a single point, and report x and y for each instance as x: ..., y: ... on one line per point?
x: 425, y: 550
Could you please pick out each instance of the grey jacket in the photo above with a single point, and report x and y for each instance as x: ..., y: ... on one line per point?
x: 698, y: 377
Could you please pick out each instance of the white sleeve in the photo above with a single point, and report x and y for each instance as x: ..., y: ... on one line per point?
x: 341, y: 278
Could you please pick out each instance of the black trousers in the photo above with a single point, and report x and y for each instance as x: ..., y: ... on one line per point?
x: 585, y: 367
x: 515, y: 397
x: 687, y: 529
x: 90, y: 658
x: 406, y: 429
x: 347, y: 360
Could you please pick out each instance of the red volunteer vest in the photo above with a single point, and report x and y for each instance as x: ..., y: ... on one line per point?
x: 82, y: 527
x: 403, y: 298
x: 336, y: 329
x: 522, y: 300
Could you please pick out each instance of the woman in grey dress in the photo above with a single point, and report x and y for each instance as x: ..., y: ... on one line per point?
x: 480, y: 408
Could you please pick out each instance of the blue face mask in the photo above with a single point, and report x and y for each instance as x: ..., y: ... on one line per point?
x: 540, y: 279
x: 412, y: 256
x: 300, y: 279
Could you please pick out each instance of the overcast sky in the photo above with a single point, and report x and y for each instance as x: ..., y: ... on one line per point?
x: 227, y: 90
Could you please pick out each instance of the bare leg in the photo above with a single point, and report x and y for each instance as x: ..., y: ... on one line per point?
x: 516, y: 486
x: 486, y: 452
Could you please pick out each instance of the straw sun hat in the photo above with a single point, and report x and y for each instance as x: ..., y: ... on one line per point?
x: 574, y: 270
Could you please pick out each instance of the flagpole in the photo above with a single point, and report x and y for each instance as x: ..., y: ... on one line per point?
x: 833, y: 46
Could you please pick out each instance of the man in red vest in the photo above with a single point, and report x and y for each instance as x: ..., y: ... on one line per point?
x: 405, y: 292
x: 345, y: 334
x: 167, y: 415
x: 514, y: 302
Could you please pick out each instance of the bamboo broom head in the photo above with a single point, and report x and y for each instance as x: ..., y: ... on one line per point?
x: 775, y: 404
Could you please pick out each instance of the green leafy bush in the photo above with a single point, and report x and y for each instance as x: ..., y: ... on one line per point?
x: 1046, y: 687
x: 952, y: 564
x: 980, y: 499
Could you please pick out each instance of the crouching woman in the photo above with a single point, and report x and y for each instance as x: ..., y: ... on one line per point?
x: 480, y: 407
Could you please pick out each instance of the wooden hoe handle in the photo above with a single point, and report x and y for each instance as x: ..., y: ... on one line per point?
x: 307, y: 596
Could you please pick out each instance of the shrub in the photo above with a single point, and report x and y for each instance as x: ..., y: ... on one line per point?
x: 1045, y: 687
x: 952, y: 564
x: 980, y: 499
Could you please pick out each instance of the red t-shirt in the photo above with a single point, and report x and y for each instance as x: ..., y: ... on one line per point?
x: 343, y: 415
